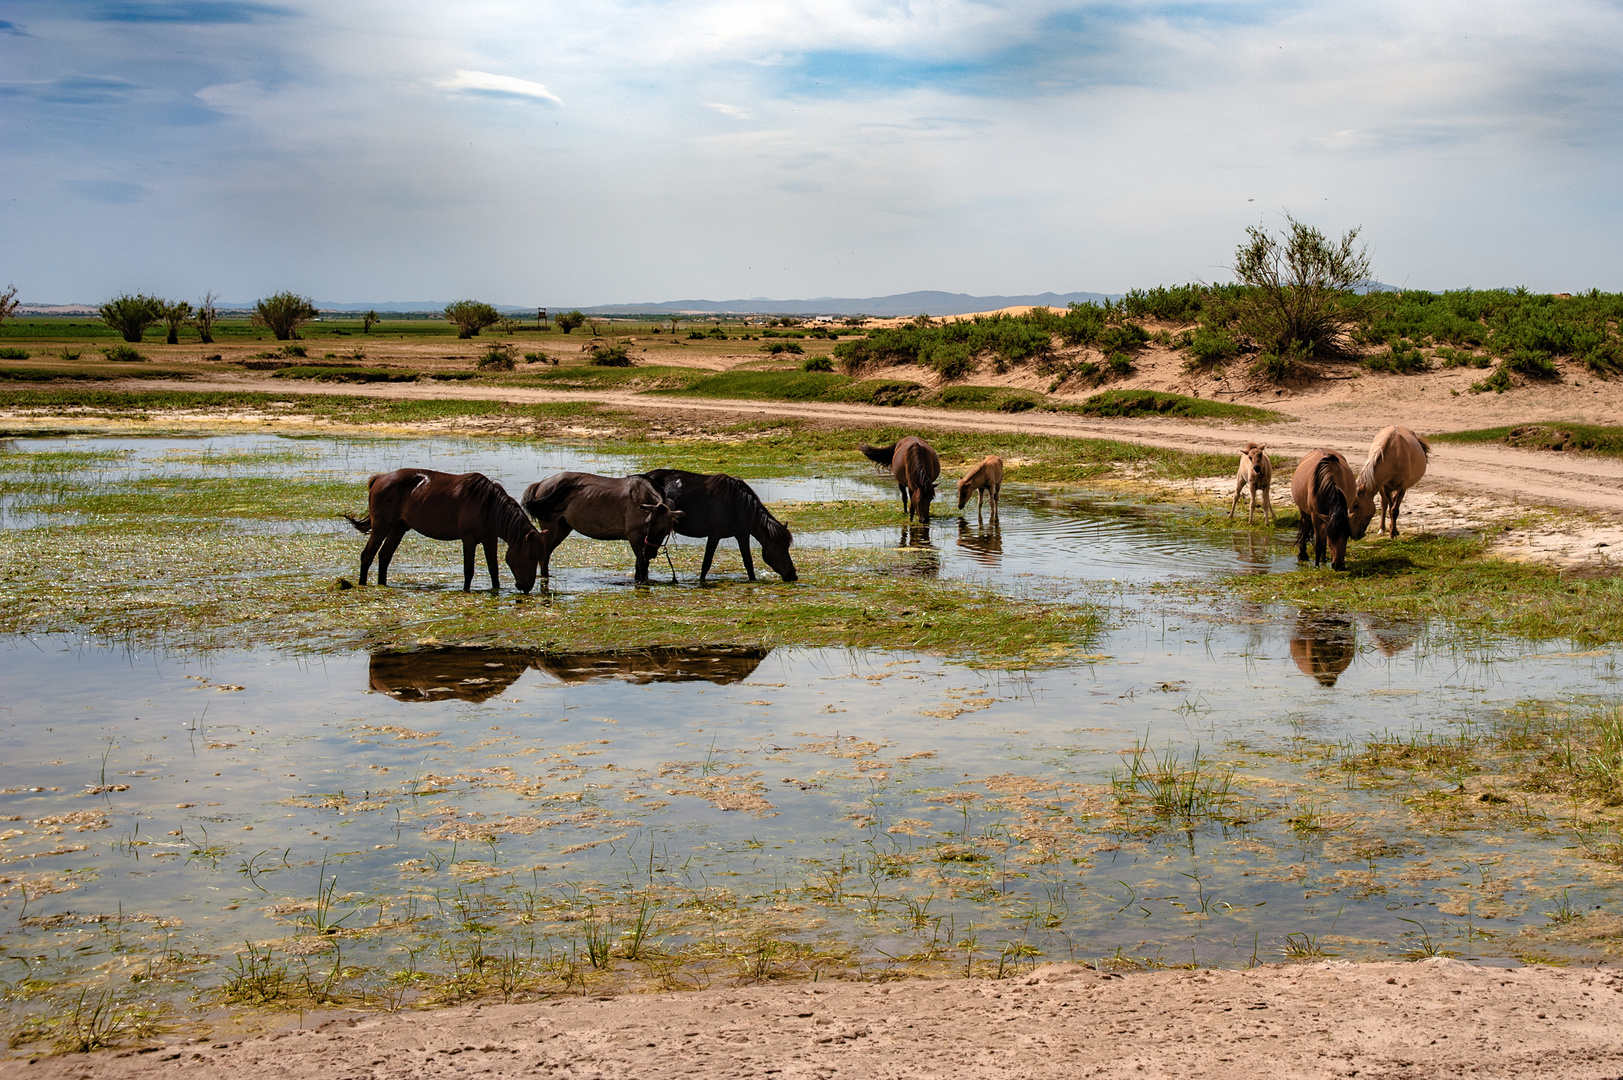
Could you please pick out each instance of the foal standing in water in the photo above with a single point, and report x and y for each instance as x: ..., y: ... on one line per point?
x: 1257, y: 472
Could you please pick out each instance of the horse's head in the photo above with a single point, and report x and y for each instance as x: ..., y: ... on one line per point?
x: 662, y: 518
x: 1255, y: 456
x: 1361, y: 510
x: 524, y: 558
x: 964, y: 492
x: 926, y: 497
x: 775, y: 550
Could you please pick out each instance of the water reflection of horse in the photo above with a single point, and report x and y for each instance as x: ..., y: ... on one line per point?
x: 1322, y: 644
x: 1391, y: 636
x: 717, y: 665
x: 984, y: 543
x: 464, y: 674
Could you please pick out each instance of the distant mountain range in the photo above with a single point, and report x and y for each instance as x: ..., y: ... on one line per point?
x: 912, y: 303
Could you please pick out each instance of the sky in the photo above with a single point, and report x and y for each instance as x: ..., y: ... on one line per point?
x: 623, y: 151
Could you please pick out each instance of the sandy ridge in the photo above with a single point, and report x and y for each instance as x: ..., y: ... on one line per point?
x: 1436, y: 1018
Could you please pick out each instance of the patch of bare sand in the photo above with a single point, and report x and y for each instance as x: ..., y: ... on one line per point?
x: 1436, y: 1018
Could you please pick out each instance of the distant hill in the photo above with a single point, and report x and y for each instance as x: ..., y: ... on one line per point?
x: 912, y: 303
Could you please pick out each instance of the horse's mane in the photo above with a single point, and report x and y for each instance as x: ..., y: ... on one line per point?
x: 744, y: 499
x: 497, y: 507
x: 1331, y: 500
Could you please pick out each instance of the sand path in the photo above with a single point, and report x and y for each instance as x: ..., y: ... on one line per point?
x: 1436, y: 1018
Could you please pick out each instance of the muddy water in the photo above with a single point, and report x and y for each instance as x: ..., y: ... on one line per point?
x: 876, y: 811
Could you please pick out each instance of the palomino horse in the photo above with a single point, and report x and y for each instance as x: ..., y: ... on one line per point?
x: 1397, y: 461
x: 987, y: 477
x: 1257, y: 473
x: 717, y: 506
x: 1323, y: 487
x: 469, y: 507
x: 915, y: 465
x: 603, y: 507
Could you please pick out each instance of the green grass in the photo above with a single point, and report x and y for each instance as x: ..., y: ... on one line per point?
x: 321, y: 373
x: 804, y: 386
x: 1545, y: 436
x: 1454, y: 579
x: 990, y: 398
x: 93, y: 373
x: 650, y: 377
x: 141, y: 405
x: 1153, y: 403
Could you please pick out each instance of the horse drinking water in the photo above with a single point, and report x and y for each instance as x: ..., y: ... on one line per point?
x: 469, y: 507
x: 717, y: 506
x: 1397, y: 461
x: 915, y: 465
x: 987, y: 477
x: 1323, y: 487
x: 626, y: 508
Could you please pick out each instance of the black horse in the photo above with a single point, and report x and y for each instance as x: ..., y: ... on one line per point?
x: 717, y: 506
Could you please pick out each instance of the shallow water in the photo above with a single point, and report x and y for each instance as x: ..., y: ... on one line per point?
x: 893, y: 810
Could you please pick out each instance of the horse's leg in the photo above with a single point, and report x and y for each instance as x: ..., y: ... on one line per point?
x: 556, y: 533
x: 1251, y: 513
x: 369, y: 552
x: 386, y: 553
x: 1397, y: 501
x: 468, y: 547
x: 1239, y: 486
x: 906, y: 508
x: 744, y: 550
x: 639, y: 548
x: 710, y: 546
x: 490, y: 561
x: 1321, y: 540
x: 1303, y: 527
x: 1268, y: 505
x: 997, y: 492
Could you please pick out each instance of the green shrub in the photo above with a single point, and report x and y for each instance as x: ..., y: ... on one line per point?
x: 471, y: 316
x: 1498, y: 382
x: 1119, y: 337
x: 1120, y: 363
x: 13, y: 354
x: 1209, y: 347
x: 817, y: 363
x: 1402, y: 358
x: 1154, y: 403
x: 611, y: 356
x: 131, y: 315
x: 694, y: 335
x: 74, y: 354
x: 1453, y: 358
x: 780, y: 347
x: 1298, y: 303
x: 569, y: 320
x: 121, y: 354
x: 295, y: 350
x: 283, y: 314
x: 498, y: 357
x: 537, y: 358
x: 324, y: 373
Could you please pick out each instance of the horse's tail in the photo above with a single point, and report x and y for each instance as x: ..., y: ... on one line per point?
x: 362, y: 525
x: 880, y: 454
x: 1425, y: 447
x: 1331, y: 501
x: 541, y: 498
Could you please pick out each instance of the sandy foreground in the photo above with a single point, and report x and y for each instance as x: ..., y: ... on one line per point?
x: 1435, y: 1018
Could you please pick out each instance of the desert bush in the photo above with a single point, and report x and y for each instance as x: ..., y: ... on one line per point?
x: 121, y: 354
x: 471, y: 316
x: 295, y: 350
x: 8, y: 303
x: 817, y: 363
x: 283, y: 314
x: 570, y: 320
x: 611, y: 356
x: 14, y: 354
x: 783, y: 347
x: 1120, y: 363
x: 1209, y: 347
x: 131, y: 315
x: 498, y: 357
x: 176, y: 313
x: 1121, y: 336
x: 1298, y: 304
x: 1402, y: 358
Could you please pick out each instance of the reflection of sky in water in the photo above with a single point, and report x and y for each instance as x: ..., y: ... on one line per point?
x: 319, y: 756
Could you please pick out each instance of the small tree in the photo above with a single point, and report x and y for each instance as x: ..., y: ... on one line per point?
x: 284, y: 313
x: 8, y: 303
x: 204, y: 319
x: 175, y: 314
x: 471, y: 316
x: 368, y: 321
x: 1299, y: 301
x: 569, y: 320
x: 131, y: 315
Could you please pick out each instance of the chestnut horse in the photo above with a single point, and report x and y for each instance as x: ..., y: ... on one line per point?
x: 915, y: 465
x: 1323, y: 487
x: 717, y: 506
x: 603, y: 508
x: 1257, y: 473
x: 469, y: 507
x: 983, y: 478
x: 1397, y: 461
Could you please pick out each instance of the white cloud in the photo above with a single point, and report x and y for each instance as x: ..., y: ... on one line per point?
x: 508, y: 86
x: 728, y: 110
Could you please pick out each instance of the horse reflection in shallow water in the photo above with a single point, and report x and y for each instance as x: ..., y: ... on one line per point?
x: 983, y: 542
x: 1392, y: 636
x: 719, y: 666
x: 1322, y: 645
x: 461, y: 674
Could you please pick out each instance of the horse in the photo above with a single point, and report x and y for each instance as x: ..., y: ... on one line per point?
x: 1322, y: 487
x: 915, y: 465
x: 1397, y: 461
x: 1257, y: 473
x: 717, y: 506
x: 604, y: 508
x: 469, y: 507
x: 983, y: 478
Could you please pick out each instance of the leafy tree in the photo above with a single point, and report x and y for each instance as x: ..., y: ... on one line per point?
x: 284, y: 313
x: 174, y: 315
x: 368, y: 321
x: 8, y: 303
x: 569, y: 320
x: 1299, y: 302
x: 204, y: 319
x: 471, y: 316
x: 131, y: 315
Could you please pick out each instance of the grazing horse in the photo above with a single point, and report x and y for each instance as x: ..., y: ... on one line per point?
x: 717, y: 506
x: 983, y: 478
x: 469, y: 507
x: 1257, y: 473
x: 603, y: 507
x: 915, y: 465
x: 1322, y: 487
x: 1397, y: 461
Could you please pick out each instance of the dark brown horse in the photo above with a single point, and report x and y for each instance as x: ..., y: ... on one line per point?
x: 1323, y: 487
x: 469, y: 507
x: 717, y: 506
x: 915, y: 465
x: 626, y: 508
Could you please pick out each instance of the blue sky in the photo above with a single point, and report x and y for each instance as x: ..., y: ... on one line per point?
x: 602, y: 151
